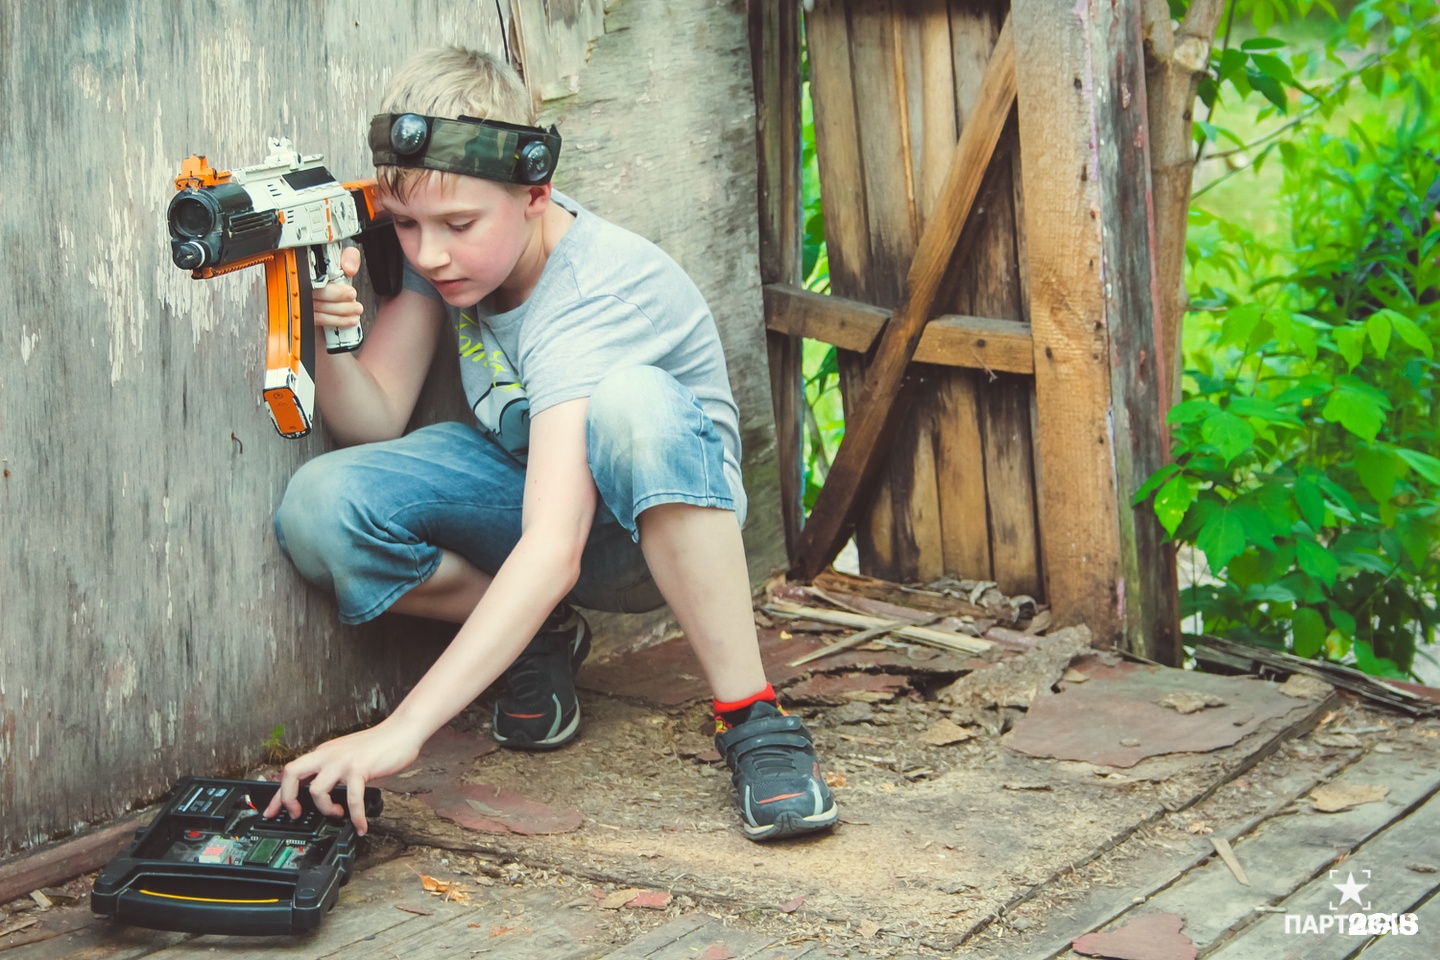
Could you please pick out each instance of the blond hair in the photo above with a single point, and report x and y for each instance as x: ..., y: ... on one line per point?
x: 452, y: 82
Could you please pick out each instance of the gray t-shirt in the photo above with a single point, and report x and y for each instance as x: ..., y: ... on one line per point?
x: 606, y: 300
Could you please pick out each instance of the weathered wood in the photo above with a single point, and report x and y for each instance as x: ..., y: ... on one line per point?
x: 67, y: 859
x: 837, y: 149
x: 975, y: 343
x: 775, y: 59
x: 1089, y: 244
x: 1157, y: 867
x: 1285, y: 853
x: 890, y: 522
x: 860, y: 452
x: 1381, y: 864
x: 149, y: 623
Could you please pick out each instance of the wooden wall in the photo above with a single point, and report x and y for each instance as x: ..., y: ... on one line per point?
x: 892, y: 85
x: 985, y: 180
x: 149, y: 625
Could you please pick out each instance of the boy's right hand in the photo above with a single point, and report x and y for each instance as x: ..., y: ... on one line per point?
x: 337, y: 304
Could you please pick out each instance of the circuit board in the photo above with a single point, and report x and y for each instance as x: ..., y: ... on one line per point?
x: 280, y: 843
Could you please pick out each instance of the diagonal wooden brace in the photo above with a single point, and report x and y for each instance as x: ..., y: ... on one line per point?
x: 880, y: 404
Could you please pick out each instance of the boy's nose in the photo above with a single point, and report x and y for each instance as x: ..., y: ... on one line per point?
x: 432, y: 253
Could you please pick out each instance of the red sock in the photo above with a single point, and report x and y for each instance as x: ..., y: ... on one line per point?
x: 729, y: 712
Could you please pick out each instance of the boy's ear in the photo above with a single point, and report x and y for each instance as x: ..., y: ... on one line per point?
x: 537, y: 200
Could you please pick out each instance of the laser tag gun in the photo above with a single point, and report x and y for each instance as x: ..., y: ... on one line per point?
x: 289, y: 214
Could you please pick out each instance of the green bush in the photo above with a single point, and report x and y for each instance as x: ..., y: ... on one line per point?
x: 1307, y: 448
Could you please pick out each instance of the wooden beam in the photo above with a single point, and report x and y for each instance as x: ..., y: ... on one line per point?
x: 950, y: 340
x: 775, y: 62
x: 1089, y: 234
x: 867, y: 433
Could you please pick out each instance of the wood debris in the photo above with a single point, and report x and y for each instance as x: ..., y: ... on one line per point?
x: 1335, y: 797
x: 1189, y: 701
x: 983, y: 696
x: 445, y: 889
x: 1227, y: 853
x: 1227, y: 656
x: 945, y: 639
x: 944, y: 732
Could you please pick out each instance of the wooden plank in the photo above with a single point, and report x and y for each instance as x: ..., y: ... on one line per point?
x: 690, y: 935
x: 837, y: 148
x: 865, y: 436
x: 1285, y: 853
x: 53, y: 865
x: 1419, y: 946
x: 886, y: 531
x: 775, y: 58
x: 950, y: 340
x: 960, y: 464
x: 1086, y: 216
x: 1158, y: 866
x: 1380, y: 864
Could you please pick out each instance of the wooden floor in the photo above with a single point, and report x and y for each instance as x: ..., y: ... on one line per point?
x: 986, y: 850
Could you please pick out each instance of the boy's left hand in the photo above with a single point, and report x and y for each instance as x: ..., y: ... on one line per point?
x: 353, y: 760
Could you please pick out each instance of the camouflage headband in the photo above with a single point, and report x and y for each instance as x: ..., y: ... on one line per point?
x: 490, y: 149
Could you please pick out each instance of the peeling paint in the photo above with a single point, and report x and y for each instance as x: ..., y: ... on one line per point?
x: 28, y: 342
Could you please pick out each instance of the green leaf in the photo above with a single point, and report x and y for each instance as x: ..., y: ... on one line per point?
x: 1350, y: 341
x: 1422, y: 463
x: 1155, y: 481
x: 1240, y: 324
x: 1228, y: 433
x: 1379, y: 470
x: 1190, y: 411
x: 1407, y: 330
x: 1172, y: 502
x: 1379, y: 328
x: 1310, y: 501
x: 1267, y: 410
x: 1375, y: 666
x: 1316, y: 561
x: 1222, y: 537
x: 1358, y: 407
x: 1343, y: 620
x: 1308, y: 629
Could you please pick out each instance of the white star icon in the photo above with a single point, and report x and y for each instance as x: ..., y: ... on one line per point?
x: 1350, y: 890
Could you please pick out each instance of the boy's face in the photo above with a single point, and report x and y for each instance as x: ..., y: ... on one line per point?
x: 464, y: 234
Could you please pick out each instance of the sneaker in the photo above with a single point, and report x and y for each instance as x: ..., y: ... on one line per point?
x: 771, y: 757
x: 540, y: 710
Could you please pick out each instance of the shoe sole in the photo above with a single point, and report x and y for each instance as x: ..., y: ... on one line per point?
x: 550, y: 743
x: 791, y: 824
x: 572, y: 728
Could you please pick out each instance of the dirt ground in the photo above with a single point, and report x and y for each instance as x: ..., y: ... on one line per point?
x: 950, y: 837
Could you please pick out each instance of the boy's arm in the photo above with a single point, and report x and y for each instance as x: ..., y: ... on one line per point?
x: 369, y: 395
x: 559, y: 505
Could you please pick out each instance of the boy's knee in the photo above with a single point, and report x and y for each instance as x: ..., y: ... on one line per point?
x: 315, y: 519
x: 630, y: 397
x: 636, y: 415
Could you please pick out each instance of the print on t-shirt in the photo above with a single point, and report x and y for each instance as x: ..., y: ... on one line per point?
x: 501, y: 407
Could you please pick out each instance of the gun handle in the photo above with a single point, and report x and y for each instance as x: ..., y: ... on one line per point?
x: 290, y: 348
x: 325, y: 262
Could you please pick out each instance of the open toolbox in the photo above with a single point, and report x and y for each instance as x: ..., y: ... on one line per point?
x: 210, y: 863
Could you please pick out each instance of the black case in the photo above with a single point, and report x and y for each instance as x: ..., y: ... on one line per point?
x: 182, y: 873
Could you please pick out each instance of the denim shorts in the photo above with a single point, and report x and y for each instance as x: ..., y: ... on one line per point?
x: 369, y: 522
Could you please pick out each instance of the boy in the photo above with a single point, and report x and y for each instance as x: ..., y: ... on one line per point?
x: 603, y: 466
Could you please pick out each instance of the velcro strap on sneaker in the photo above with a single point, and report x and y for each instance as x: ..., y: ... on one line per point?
x: 735, y: 751
x: 762, y: 727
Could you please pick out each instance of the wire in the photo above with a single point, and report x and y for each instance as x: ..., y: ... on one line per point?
x: 504, y: 34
